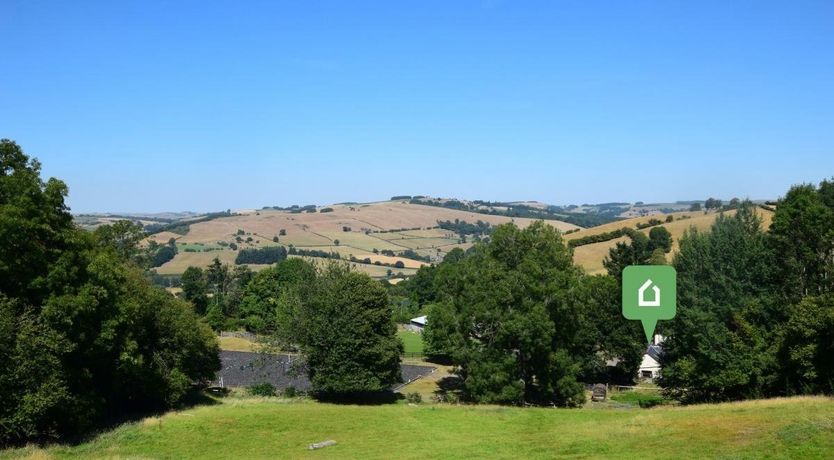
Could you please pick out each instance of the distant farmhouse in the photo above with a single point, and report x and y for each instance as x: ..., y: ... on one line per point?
x: 417, y: 324
x: 650, y: 366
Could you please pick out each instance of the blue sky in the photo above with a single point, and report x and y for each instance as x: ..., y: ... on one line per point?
x: 151, y: 106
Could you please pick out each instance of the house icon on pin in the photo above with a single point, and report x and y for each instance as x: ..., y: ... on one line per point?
x: 641, y: 295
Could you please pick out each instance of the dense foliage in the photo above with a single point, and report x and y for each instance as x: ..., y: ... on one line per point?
x: 267, y: 255
x: 343, y: 325
x: 522, y: 323
x: 462, y: 227
x: 755, y: 308
x: 83, y: 335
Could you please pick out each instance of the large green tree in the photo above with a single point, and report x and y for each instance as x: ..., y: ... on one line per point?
x: 803, y: 236
x: 514, y: 315
x: 268, y: 294
x: 807, y: 348
x: 346, y: 334
x: 83, y: 335
x: 720, y: 345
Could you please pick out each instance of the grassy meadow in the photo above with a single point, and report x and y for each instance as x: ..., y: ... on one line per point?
x: 277, y: 428
x: 412, y: 341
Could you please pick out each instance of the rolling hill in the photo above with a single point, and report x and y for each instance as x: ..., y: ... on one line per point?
x: 590, y: 256
x: 389, y: 237
x: 362, y: 231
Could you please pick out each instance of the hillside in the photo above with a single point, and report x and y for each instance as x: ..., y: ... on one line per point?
x: 590, y: 256
x: 359, y: 229
x: 274, y: 428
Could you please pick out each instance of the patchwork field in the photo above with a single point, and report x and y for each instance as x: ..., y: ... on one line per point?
x: 280, y: 428
x: 364, y: 231
x: 361, y: 230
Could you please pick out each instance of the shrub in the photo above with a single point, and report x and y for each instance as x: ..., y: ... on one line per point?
x: 265, y: 389
x: 414, y: 398
x: 290, y: 392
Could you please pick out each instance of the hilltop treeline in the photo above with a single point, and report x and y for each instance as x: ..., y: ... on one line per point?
x: 602, y: 216
x: 83, y: 335
x: 461, y: 227
x: 182, y: 227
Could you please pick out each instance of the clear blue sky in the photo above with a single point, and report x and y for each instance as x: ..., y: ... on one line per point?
x: 153, y: 106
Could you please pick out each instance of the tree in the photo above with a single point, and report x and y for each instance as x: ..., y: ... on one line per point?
x: 712, y: 203
x: 506, y: 318
x: 265, y: 256
x: 162, y: 255
x: 636, y: 252
x: 604, y: 336
x: 83, y: 335
x: 195, y: 288
x: 347, y: 335
x: 660, y: 238
x: 721, y: 343
x: 807, y: 349
x: 695, y: 207
x: 124, y: 236
x: 34, y: 224
x: 266, y: 293
x: 803, y: 236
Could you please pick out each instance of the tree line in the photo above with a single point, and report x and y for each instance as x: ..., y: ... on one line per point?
x: 582, y: 219
x: 265, y: 255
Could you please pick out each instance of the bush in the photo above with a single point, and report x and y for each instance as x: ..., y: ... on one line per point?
x: 414, y: 398
x: 163, y: 255
x: 290, y: 392
x: 638, y: 398
x: 262, y: 389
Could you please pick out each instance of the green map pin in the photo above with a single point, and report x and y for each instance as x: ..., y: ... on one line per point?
x: 649, y: 294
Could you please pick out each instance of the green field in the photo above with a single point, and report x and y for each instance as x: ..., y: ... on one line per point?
x: 275, y: 428
x: 412, y: 341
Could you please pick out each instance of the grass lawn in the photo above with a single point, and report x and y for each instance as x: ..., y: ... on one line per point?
x: 412, y: 341
x: 275, y: 428
x: 237, y: 344
x: 638, y: 398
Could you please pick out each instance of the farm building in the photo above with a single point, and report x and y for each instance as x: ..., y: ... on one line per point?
x: 650, y: 366
x: 417, y: 324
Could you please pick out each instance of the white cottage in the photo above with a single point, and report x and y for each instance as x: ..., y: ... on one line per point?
x: 650, y: 366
